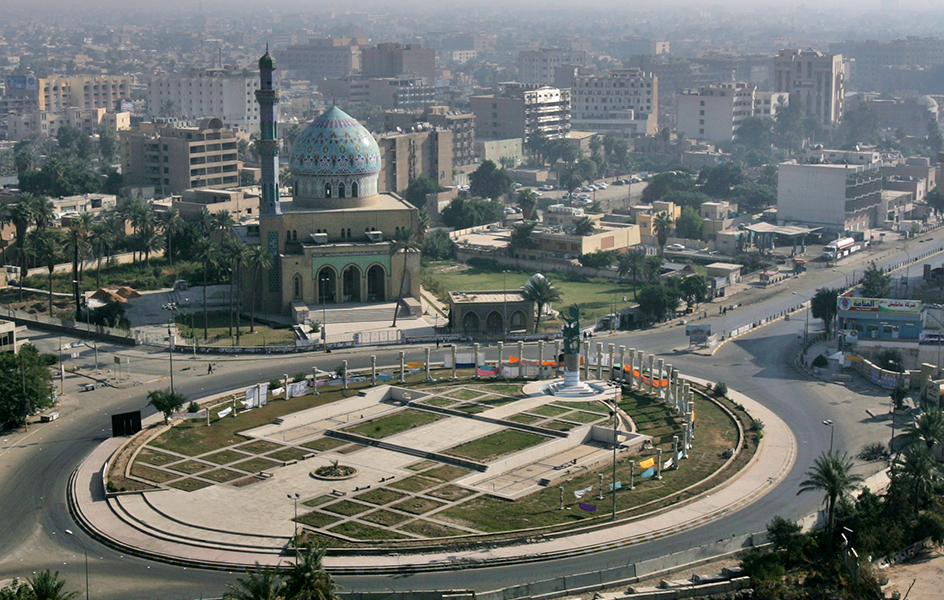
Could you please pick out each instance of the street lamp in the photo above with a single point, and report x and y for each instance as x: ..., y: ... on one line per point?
x: 907, y: 265
x: 844, y: 275
x: 84, y: 549
x: 170, y: 307
x: 294, y: 498
x: 504, y: 307
x: 940, y: 331
x: 615, y: 421
x: 323, y: 288
x: 832, y: 429
x: 806, y: 327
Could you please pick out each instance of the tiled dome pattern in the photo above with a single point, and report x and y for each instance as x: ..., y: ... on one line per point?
x: 334, y: 145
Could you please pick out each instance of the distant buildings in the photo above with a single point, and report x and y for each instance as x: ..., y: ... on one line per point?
x: 390, y: 60
x: 322, y: 58
x: 407, y: 156
x: 47, y: 124
x: 520, y: 109
x: 224, y: 93
x: 623, y: 101
x: 715, y: 112
x: 549, y: 66
x: 815, y: 82
x: 57, y: 93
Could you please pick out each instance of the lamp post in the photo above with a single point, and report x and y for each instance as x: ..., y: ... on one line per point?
x: 844, y: 275
x: 907, y: 266
x: 832, y: 429
x: 504, y: 307
x: 940, y: 331
x: 615, y: 421
x: 171, y: 307
x: 806, y: 327
x: 294, y: 498
x: 322, y: 287
x: 85, y: 550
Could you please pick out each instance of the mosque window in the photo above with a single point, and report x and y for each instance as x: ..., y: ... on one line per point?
x: 296, y: 188
x: 327, y: 190
x: 341, y: 191
x: 349, y: 233
x: 294, y: 234
x: 342, y: 233
x: 354, y: 190
x: 288, y: 236
x: 298, y: 287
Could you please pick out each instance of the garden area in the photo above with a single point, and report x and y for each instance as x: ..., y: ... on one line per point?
x: 218, y: 330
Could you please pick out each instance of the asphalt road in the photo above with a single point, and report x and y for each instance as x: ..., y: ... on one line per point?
x: 35, y: 467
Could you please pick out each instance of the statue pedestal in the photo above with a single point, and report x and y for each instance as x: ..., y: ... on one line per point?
x: 572, y: 386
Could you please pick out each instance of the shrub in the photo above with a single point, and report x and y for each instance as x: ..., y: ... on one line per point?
x: 111, y: 487
x: 299, y: 377
x: 874, y: 451
x: 721, y: 389
x: 275, y: 384
x: 757, y: 425
x: 820, y: 362
x: 193, y: 407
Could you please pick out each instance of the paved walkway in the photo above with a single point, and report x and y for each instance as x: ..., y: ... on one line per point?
x: 146, y: 527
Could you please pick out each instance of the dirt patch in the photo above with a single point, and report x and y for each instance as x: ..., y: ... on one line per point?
x: 120, y: 462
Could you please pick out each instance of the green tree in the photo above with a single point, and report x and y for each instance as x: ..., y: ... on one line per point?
x: 488, y: 181
x: 171, y: 224
x: 235, y: 254
x: 542, y: 292
x: 656, y: 303
x: 663, y: 183
x: 439, y: 246
x: 832, y: 475
x: 755, y: 133
x: 166, y: 402
x: 210, y: 256
x: 404, y: 244
x: 258, y: 260
x: 584, y: 226
x: 107, y: 143
x: 718, y: 181
x: 528, y: 201
x: 20, y: 215
x: 823, y: 306
x: 463, y: 213
x: 307, y: 578
x: 875, y: 283
x: 916, y: 470
x: 25, y: 384
x: 422, y: 225
x: 522, y: 238
x: 263, y: 583
x: 416, y: 192
x: 46, y: 585
x: 45, y: 245
x: 601, y: 259
x: 689, y: 224
x: 753, y: 196
x: 927, y: 428
x: 537, y: 144
x: 662, y: 224
x: 629, y: 264
x: 694, y: 289
x: 652, y: 268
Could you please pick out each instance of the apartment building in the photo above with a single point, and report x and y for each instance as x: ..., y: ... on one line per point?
x: 48, y: 124
x: 392, y: 59
x: 174, y: 159
x: 621, y: 101
x: 462, y: 126
x: 322, y: 58
x: 637, y: 46
x: 56, y: 93
x: 542, y: 66
x: 227, y: 94
x: 519, y: 109
x: 407, y: 156
x: 815, y: 82
x: 407, y: 92
x: 837, y: 198
x: 715, y: 112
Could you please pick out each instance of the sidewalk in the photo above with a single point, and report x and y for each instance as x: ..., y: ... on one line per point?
x: 177, y: 541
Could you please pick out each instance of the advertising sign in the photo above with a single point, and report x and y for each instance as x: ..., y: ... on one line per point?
x: 20, y: 83
x: 878, y: 305
x: 698, y: 330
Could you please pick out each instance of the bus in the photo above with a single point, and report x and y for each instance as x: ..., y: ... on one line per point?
x: 840, y: 248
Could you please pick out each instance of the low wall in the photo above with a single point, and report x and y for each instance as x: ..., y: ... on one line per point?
x: 880, y: 377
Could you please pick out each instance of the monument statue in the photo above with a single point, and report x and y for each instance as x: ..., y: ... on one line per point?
x: 571, y: 331
x: 571, y: 385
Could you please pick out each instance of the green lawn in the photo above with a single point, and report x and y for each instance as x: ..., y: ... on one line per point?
x: 594, y: 296
x: 218, y: 330
x: 393, y: 424
x: 496, y: 444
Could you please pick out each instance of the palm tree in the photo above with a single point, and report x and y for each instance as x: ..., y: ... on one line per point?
x: 210, y: 255
x: 422, y: 226
x: 236, y: 254
x: 259, y: 260
x: 831, y: 474
x: 104, y: 235
x: 148, y: 239
x: 651, y: 267
x: 79, y: 231
x: 222, y: 220
x: 204, y: 222
x: 45, y: 246
x: 171, y: 224
x: 917, y: 469
x: 404, y: 243
x: 44, y: 212
x: 629, y: 264
x: 263, y: 583
x: 542, y: 292
x: 46, y: 585
x: 662, y: 225
x: 307, y: 579
x: 168, y: 108
x: 528, y: 201
x: 583, y: 226
x: 21, y: 217
x: 928, y: 427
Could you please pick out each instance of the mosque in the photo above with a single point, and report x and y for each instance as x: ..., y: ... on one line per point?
x: 331, y: 241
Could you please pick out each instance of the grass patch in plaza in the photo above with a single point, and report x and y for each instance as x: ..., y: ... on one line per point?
x: 450, y: 493
x: 317, y: 519
x: 324, y: 444
x: 259, y: 447
x: 414, y: 483
x: 190, y: 467
x: 496, y: 444
x: 431, y: 530
x: 493, y: 401
x: 421, y: 466
x: 380, y: 496
x: 558, y: 425
x: 255, y: 465
x: 594, y: 407
x: 222, y: 475
x: 463, y: 393
x: 153, y: 457
x: 349, y: 449
x: 245, y: 481
x: 154, y: 475
x: 417, y: 505
x: 548, y: 410
x: 347, y: 508
x: 360, y: 531
x: 439, y: 401
x: 398, y: 422
x: 384, y: 517
x: 218, y: 331
x: 288, y: 454
x: 193, y: 437
x: 189, y: 485
x: 523, y: 418
x: 582, y: 417
x: 472, y: 409
x: 319, y: 500
x: 508, y: 389
x: 224, y: 457
x: 447, y: 472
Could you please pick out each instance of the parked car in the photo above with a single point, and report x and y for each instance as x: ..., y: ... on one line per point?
x: 619, y: 182
x: 602, y: 186
x: 675, y: 247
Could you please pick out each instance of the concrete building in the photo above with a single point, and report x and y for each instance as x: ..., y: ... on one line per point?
x: 496, y: 150
x: 239, y: 203
x: 622, y: 101
x: 910, y: 115
x: 225, y: 94
x: 392, y: 59
x: 407, y: 92
x: 173, y: 159
x: 563, y: 242
x: 47, y: 124
x: 322, y: 58
x: 766, y: 104
x: 520, y: 109
x: 636, y: 46
x: 462, y: 126
x: 838, y: 198
x: 26, y: 93
x: 407, y: 156
x: 815, y: 82
x: 490, y: 313
x: 715, y: 112
x: 541, y: 66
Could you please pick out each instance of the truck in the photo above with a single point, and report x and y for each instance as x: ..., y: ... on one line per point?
x: 841, y: 248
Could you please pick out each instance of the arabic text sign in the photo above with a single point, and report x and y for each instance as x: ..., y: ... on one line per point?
x: 875, y: 305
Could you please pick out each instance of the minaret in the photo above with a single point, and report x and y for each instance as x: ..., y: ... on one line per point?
x: 268, y: 143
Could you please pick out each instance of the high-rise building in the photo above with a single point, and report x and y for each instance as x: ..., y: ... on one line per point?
x: 407, y: 156
x: 622, y: 101
x: 815, y: 82
x: 715, y: 112
x: 391, y: 59
x: 838, y: 198
x: 330, y: 58
x: 520, y: 109
x: 224, y: 93
x: 541, y: 66
x: 56, y: 93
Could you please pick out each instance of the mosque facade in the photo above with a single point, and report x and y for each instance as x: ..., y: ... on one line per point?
x: 332, y: 240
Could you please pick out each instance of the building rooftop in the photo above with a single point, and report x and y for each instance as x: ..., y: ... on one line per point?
x: 491, y: 296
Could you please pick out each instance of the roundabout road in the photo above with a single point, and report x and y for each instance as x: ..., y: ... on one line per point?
x: 35, y: 467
